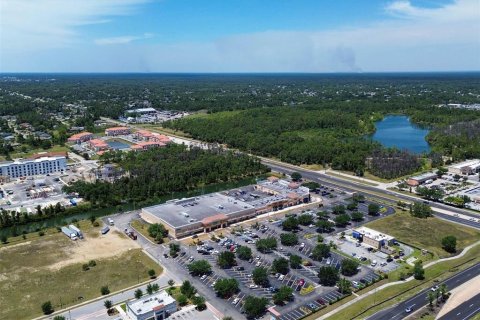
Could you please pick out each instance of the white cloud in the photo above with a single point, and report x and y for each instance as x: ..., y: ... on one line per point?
x: 31, y: 25
x: 411, y: 39
x: 122, y: 39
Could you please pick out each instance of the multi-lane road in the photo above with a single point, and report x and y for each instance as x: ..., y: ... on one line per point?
x: 464, y: 311
x: 420, y: 299
x: 351, y: 186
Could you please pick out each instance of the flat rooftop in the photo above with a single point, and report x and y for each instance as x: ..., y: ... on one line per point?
x: 182, y: 212
x: 424, y: 176
x: 373, y: 234
x: 467, y: 163
x: 148, y: 303
x: 40, y: 159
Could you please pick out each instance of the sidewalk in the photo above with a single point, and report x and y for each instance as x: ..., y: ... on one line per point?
x: 351, y: 302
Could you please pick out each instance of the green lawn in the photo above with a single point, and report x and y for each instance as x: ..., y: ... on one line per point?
x: 437, y: 272
x: 28, y: 279
x: 425, y: 233
x: 30, y: 151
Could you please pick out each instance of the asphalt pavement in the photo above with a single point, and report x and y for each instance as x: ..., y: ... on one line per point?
x: 420, y: 299
x: 371, y: 190
x: 466, y: 310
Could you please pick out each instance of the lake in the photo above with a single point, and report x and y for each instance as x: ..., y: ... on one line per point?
x: 398, y: 131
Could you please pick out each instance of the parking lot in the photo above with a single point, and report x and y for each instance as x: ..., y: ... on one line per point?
x: 246, y: 234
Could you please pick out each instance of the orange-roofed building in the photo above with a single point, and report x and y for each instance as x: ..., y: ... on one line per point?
x: 160, y: 138
x: 145, y: 145
x: 80, y: 137
x: 143, y: 135
x: 117, y: 131
x: 98, y: 145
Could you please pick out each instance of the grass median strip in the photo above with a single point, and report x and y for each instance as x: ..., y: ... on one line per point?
x: 439, y: 271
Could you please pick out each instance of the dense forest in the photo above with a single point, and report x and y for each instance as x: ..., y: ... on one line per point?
x: 299, y: 118
x: 161, y: 171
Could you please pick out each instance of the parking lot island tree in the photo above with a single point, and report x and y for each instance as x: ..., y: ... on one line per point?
x: 199, y: 268
x: 328, y: 276
x: 280, y: 265
x: 288, y: 239
x: 295, y: 261
x: 225, y: 288
x: 290, y: 224
x: 255, y: 307
x: 244, y: 253
x: 305, y: 219
x: 284, y: 294
x: 373, y: 209
x: 260, y: 276
x: 320, y: 251
x: 226, y: 259
x: 266, y: 245
x: 349, y: 267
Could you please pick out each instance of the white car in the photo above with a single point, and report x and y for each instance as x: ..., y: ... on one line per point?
x: 235, y: 301
x: 253, y: 286
x: 213, y: 284
x: 203, y: 277
x: 258, y: 264
x: 281, y: 277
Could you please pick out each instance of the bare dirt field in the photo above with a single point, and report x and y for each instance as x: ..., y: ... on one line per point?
x: 50, y: 268
x: 91, y: 248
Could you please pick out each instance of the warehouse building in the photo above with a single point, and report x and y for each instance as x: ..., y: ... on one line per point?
x: 185, y: 217
x: 32, y: 167
x: 372, y: 238
x: 157, y: 306
x: 466, y: 167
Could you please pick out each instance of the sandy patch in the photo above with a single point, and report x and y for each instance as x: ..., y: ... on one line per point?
x: 15, y: 245
x: 459, y: 295
x: 112, y: 244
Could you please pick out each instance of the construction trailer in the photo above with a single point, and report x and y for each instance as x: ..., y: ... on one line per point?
x: 77, y: 231
x: 69, y: 233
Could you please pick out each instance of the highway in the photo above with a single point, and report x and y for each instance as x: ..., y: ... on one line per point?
x: 352, y: 186
x: 465, y: 311
x: 420, y: 299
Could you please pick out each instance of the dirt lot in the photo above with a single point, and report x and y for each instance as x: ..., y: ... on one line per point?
x: 50, y: 268
x: 105, y: 246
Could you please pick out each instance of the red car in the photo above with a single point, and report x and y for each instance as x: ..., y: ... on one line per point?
x: 301, y: 282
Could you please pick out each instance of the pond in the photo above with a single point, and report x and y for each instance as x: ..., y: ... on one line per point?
x: 398, y: 131
x: 117, y: 145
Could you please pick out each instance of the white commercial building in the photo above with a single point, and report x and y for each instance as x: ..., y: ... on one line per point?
x: 466, y: 167
x: 32, y: 167
x: 157, y: 306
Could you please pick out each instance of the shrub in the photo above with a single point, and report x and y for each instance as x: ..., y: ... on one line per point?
x: 85, y: 267
x: 92, y: 263
x: 104, y: 290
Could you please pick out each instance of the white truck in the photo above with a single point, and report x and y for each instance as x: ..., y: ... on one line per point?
x: 110, y: 221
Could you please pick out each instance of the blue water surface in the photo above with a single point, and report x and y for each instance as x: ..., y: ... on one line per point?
x: 398, y: 131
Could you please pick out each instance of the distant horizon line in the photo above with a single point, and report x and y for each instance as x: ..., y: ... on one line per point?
x: 238, y: 73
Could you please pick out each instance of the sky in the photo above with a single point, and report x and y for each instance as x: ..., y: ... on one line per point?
x: 239, y: 35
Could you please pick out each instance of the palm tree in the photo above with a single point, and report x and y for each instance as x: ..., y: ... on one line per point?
x: 431, y: 297
x: 108, y: 305
x: 443, y: 289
